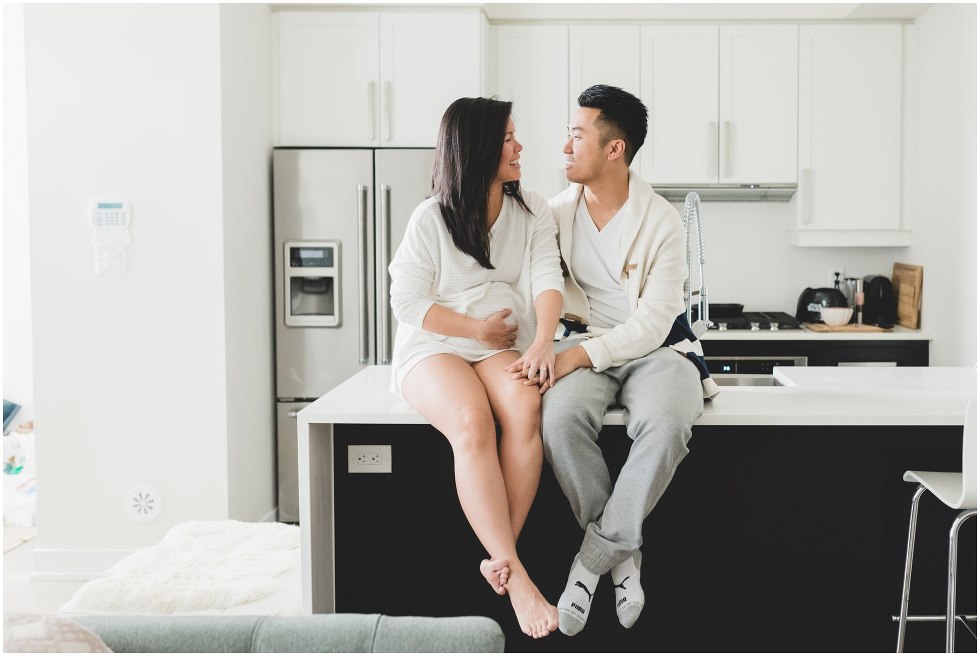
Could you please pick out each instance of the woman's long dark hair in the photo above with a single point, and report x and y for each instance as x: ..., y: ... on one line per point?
x: 467, y: 158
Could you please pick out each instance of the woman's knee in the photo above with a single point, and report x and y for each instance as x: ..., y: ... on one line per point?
x: 520, y: 409
x: 473, y: 430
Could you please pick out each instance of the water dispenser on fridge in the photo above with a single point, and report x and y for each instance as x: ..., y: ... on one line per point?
x: 312, y: 277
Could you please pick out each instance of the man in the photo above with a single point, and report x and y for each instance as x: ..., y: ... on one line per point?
x: 627, y: 341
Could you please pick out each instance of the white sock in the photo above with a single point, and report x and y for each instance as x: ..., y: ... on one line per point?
x: 629, y: 594
x: 576, y: 600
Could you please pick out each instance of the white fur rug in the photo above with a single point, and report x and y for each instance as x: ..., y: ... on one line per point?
x: 197, y: 566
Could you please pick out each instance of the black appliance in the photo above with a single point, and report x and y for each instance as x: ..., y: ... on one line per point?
x: 879, y: 303
x: 811, y: 300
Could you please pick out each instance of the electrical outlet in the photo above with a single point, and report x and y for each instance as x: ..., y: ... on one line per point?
x: 830, y: 274
x: 369, y: 458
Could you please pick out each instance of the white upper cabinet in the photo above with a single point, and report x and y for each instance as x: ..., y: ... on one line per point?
x: 328, y: 78
x: 757, y: 104
x: 607, y: 54
x: 850, y: 136
x: 427, y: 61
x: 679, y: 85
x: 373, y: 79
x: 532, y: 69
x: 722, y: 104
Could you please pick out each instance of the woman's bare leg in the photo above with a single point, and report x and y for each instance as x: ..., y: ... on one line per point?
x: 449, y: 394
x: 517, y: 408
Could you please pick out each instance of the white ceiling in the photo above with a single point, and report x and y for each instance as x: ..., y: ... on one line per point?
x: 687, y: 11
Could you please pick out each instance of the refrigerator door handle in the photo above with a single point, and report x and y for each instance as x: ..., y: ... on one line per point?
x: 362, y: 273
x: 385, y: 259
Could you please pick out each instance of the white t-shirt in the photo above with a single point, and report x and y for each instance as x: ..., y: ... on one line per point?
x: 596, y: 263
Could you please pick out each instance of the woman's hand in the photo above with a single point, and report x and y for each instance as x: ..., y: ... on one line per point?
x: 495, y: 332
x: 537, y: 365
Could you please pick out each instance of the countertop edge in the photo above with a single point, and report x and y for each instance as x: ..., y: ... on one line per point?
x: 808, y: 396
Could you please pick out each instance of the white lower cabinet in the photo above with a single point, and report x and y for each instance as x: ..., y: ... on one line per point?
x: 850, y: 136
x: 350, y: 78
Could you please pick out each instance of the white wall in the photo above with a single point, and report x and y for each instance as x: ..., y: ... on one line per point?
x: 749, y: 257
x: 246, y: 124
x: 139, y: 378
x: 940, y: 177
x: 18, y: 376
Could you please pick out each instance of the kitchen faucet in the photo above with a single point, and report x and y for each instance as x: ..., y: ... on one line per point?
x: 692, y: 214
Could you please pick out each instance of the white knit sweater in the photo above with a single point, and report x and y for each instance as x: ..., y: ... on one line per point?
x: 428, y: 268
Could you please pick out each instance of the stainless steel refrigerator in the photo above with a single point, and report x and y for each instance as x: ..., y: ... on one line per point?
x: 339, y: 214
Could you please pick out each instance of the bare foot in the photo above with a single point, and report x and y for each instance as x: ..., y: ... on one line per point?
x: 497, y: 573
x: 535, y: 615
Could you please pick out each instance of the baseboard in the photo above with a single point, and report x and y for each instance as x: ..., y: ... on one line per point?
x: 86, y: 564
x: 74, y: 564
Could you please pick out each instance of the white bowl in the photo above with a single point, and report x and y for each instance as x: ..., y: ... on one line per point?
x: 833, y: 316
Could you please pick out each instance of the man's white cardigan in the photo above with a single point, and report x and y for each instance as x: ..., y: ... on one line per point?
x: 654, y: 266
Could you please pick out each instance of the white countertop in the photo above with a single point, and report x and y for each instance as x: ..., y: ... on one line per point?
x: 831, y: 396
x: 799, y: 334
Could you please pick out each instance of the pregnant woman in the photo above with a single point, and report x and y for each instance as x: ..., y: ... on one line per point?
x: 476, y: 286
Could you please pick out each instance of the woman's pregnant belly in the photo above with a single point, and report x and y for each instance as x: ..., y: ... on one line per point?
x: 487, y: 300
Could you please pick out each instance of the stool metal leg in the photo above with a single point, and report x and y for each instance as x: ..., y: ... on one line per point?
x: 954, y: 534
x: 909, y: 548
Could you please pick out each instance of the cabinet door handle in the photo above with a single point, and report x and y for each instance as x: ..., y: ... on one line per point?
x: 292, y: 414
x: 373, y: 104
x: 713, y: 149
x: 806, y: 194
x: 384, y: 260
x: 728, y: 149
x: 387, y: 102
x: 362, y: 274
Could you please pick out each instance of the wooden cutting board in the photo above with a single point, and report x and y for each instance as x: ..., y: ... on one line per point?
x: 907, y: 288
x: 849, y: 328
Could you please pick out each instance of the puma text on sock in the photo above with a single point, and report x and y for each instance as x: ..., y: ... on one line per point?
x: 576, y: 600
x: 629, y: 594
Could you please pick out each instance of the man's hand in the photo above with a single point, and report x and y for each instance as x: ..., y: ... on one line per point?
x: 495, y: 332
x: 568, y: 361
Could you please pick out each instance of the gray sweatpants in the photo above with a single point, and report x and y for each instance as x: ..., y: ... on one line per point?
x: 662, y: 397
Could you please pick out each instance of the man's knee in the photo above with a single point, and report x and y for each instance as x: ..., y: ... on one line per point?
x: 664, y: 432
x: 565, y: 415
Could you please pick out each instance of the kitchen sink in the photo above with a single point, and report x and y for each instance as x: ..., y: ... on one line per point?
x: 746, y: 380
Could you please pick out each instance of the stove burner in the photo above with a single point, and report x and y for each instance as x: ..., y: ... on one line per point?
x: 757, y: 321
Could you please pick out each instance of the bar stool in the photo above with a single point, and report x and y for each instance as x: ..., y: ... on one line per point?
x: 958, y: 491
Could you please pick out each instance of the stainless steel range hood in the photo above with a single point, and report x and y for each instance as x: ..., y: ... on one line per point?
x: 728, y: 192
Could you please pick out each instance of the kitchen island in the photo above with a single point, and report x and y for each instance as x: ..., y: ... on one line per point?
x: 784, y: 529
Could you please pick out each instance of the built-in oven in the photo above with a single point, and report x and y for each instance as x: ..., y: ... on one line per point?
x: 751, y: 364
x: 749, y: 370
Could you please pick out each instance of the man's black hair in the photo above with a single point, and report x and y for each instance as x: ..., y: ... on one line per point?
x: 621, y: 116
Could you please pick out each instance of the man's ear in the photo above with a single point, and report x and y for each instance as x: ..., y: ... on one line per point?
x: 617, y: 149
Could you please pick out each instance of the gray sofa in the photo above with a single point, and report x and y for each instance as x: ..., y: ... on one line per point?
x: 315, y: 633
